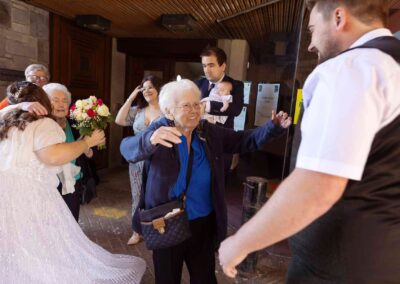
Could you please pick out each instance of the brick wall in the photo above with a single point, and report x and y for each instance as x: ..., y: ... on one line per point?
x: 24, y: 39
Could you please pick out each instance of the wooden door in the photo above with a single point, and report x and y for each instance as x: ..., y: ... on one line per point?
x: 137, y: 68
x: 81, y: 60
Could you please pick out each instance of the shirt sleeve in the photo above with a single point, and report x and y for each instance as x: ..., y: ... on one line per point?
x: 227, y: 98
x: 3, y: 103
x: 47, y: 133
x: 341, y: 118
x: 130, y: 118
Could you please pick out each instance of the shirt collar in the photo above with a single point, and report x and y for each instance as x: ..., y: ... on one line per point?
x: 371, y: 35
x: 219, y: 81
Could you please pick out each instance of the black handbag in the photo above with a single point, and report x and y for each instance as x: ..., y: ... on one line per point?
x: 167, y: 225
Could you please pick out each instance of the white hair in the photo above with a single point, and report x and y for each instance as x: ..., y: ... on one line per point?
x: 168, y: 94
x: 37, y: 67
x: 51, y: 87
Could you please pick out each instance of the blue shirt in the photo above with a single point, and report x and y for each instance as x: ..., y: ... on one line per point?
x: 198, y: 195
x: 70, y: 138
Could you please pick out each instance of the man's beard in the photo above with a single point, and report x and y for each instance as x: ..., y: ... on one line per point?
x: 331, y: 50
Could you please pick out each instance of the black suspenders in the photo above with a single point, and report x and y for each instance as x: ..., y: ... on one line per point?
x: 387, y: 44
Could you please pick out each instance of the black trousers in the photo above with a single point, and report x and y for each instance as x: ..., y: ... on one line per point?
x: 197, y: 252
x: 73, y: 199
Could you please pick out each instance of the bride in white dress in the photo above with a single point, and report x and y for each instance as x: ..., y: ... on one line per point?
x: 40, y: 241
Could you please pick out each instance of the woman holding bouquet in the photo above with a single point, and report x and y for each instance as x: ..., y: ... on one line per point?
x: 145, y: 110
x: 40, y: 240
x: 60, y: 99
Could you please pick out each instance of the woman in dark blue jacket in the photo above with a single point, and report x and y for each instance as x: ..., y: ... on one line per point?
x: 166, y: 145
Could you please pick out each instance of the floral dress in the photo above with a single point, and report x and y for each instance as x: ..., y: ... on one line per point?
x: 136, y: 119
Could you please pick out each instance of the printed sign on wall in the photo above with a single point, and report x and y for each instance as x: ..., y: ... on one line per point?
x: 267, y: 101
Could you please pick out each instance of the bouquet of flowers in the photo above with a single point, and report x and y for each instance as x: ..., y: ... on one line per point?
x: 90, y: 114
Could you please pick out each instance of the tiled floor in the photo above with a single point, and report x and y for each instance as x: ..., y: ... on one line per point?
x: 106, y: 221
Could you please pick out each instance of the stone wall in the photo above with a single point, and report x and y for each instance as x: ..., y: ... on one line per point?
x: 24, y: 39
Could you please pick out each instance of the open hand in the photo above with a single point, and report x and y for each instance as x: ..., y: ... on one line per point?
x: 166, y: 136
x: 204, y: 106
x: 281, y: 118
x: 33, y: 107
x: 135, y: 92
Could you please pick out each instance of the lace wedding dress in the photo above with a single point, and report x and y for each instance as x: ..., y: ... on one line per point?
x: 40, y: 241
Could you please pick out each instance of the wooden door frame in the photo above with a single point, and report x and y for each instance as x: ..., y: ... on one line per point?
x: 57, y: 23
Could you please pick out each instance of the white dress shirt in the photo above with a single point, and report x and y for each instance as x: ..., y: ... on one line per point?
x: 347, y: 100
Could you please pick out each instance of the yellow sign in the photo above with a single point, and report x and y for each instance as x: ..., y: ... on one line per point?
x: 299, y: 101
x: 110, y: 212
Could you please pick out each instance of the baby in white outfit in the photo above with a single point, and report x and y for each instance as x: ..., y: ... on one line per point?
x: 220, y: 93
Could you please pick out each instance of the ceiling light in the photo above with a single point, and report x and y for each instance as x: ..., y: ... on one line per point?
x: 178, y: 22
x: 93, y: 22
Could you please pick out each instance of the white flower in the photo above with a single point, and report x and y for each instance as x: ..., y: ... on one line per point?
x: 77, y: 111
x: 79, y: 117
x: 92, y: 99
x: 87, y: 104
x: 84, y: 115
x: 79, y: 104
x: 77, y: 114
x: 103, y: 110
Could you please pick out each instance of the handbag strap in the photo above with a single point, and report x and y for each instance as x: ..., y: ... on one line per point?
x: 144, y: 179
x: 188, y: 173
x: 171, y: 123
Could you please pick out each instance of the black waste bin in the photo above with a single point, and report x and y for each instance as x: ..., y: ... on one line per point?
x: 254, y: 197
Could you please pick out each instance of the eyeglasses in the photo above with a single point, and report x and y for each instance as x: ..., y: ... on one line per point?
x: 34, y: 78
x: 188, y: 107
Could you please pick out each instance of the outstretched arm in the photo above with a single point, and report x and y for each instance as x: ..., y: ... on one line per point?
x: 32, y: 107
x: 63, y: 153
x: 140, y: 147
x: 303, y: 197
x: 255, y: 139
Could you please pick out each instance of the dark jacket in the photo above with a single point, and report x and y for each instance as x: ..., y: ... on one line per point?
x: 234, y: 109
x: 163, y: 170
x: 89, y: 177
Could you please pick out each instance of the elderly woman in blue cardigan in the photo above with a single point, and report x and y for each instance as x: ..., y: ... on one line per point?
x: 166, y: 145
